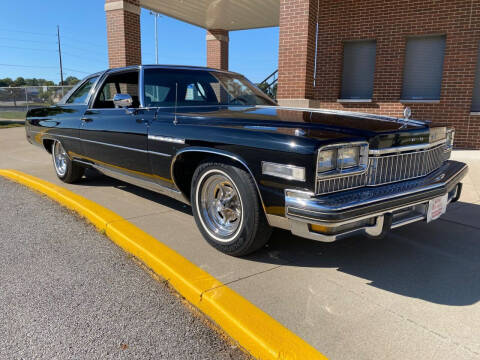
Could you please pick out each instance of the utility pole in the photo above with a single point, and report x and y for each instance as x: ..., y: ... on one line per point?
x: 60, y: 55
x: 156, y: 16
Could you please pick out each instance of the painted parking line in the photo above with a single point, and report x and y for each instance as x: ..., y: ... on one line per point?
x: 261, y: 335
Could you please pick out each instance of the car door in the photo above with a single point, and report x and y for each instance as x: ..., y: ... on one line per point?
x: 115, y: 139
x: 174, y: 93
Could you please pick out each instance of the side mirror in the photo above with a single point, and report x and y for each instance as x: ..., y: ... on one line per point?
x: 122, y: 100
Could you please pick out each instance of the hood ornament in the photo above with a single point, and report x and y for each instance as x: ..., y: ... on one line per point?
x: 407, y: 112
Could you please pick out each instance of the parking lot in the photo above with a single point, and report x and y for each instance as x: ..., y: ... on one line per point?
x: 414, y: 295
x: 81, y: 297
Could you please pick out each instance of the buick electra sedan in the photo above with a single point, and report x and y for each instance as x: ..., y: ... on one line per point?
x: 213, y: 140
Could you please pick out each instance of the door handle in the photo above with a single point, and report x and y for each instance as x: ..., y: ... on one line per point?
x: 85, y: 119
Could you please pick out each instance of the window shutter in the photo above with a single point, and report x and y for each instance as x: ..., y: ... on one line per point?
x: 358, y: 69
x: 422, y: 74
x: 476, y: 88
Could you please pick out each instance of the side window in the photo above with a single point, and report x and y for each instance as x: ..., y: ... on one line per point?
x: 117, y: 83
x: 80, y: 96
x: 154, y: 94
x: 195, y: 92
x: 186, y: 87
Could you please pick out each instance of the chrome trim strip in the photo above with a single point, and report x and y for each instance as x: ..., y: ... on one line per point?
x: 159, y: 153
x: 103, y: 143
x: 141, y: 88
x: 107, y: 144
x: 166, y: 139
x: 405, y: 148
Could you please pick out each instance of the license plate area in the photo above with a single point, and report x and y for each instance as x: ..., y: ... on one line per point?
x: 437, y: 207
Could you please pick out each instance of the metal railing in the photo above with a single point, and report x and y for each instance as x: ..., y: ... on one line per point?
x: 269, y: 85
x: 16, y: 101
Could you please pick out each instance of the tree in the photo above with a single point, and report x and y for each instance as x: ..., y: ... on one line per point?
x: 5, y: 82
x: 70, y: 80
x: 19, y: 81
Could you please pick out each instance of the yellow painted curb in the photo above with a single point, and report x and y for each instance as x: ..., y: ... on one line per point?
x: 261, y: 335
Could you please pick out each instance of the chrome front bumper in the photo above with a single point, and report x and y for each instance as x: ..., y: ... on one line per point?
x: 373, y: 210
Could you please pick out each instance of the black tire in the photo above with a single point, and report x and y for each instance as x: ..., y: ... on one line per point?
x: 253, y: 230
x: 73, y: 172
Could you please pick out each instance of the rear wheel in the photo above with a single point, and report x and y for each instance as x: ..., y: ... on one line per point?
x: 227, y: 209
x: 65, y: 168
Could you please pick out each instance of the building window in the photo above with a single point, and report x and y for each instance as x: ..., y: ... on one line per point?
x: 358, y: 70
x: 476, y: 88
x: 422, y: 73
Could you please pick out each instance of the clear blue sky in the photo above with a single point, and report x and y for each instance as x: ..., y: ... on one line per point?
x: 28, y: 39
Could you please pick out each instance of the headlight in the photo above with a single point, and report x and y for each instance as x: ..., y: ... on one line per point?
x: 348, y: 157
x: 327, y: 160
x: 342, y: 158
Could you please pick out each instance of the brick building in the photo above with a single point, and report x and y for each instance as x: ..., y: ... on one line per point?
x: 360, y: 55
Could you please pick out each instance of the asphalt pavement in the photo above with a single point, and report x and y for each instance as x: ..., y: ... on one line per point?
x: 68, y: 292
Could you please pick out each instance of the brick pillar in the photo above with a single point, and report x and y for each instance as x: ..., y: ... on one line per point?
x: 217, y: 49
x: 123, y: 32
x: 296, y: 53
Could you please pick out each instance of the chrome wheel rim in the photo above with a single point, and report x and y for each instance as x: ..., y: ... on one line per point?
x: 59, y: 158
x: 220, y: 206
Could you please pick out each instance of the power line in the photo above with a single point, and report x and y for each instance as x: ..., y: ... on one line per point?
x: 50, y: 50
x: 83, y: 41
x: 24, y: 48
x: 29, y: 66
x: 28, y: 32
x: 78, y: 71
x: 43, y: 67
x: 23, y: 40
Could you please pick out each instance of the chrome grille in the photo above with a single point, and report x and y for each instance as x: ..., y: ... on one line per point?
x: 385, y: 169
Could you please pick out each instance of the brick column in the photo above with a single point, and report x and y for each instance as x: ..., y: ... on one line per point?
x: 123, y: 32
x: 296, y: 53
x: 217, y: 49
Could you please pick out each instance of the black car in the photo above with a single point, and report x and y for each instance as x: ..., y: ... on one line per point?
x: 212, y: 139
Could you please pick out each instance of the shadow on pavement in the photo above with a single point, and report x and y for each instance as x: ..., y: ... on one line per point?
x: 437, y: 262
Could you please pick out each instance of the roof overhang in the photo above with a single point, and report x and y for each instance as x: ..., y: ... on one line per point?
x: 219, y: 14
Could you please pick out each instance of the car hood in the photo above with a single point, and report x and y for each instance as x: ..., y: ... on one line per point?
x: 321, y: 124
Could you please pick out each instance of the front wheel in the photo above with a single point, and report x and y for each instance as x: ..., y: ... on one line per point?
x: 227, y: 209
x: 65, y: 168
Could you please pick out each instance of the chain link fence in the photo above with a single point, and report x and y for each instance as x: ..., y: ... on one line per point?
x: 16, y: 101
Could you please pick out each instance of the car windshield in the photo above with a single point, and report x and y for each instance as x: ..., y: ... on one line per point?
x: 166, y: 87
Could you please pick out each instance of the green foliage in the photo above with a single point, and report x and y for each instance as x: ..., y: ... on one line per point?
x: 20, y: 81
x: 71, y: 80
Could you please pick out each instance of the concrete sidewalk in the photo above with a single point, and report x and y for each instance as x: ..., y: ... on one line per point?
x: 414, y: 295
